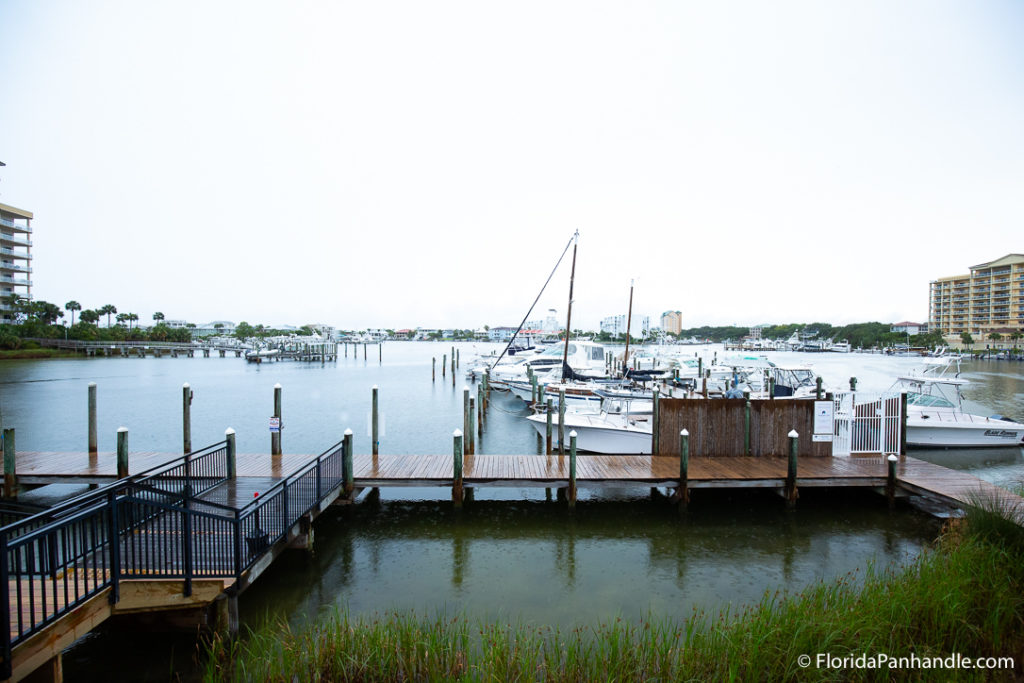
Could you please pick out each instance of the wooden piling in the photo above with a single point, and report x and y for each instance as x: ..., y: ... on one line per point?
x: 122, y: 452
x: 364, y: 350
x: 655, y: 436
x: 380, y: 352
x: 10, y: 461
x: 347, y: 474
x: 275, y: 436
x: 853, y: 384
x: 93, y: 438
x: 817, y: 388
x: 433, y: 369
x: 457, y: 448
x: 466, y: 428
x: 472, y: 428
x: 890, y: 480
x: 572, y: 469
x: 186, y: 417
x: 683, y: 492
x: 232, y: 453
x: 548, y: 433
x: 561, y: 421
x: 375, y: 422
x: 746, y: 423
x: 791, y: 492
x: 480, y: 409
x: 444, y: 365
x: 903, y: 423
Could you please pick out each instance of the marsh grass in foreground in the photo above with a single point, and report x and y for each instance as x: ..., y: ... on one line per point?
x: 963, y: 596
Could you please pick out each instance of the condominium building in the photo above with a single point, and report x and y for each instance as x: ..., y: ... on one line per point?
x: 989, y: 299
x: 672, y: 321
x: 616, y: 325
x: 15, y: 256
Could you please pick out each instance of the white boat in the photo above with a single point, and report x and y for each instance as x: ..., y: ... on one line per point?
x: 603, y: 432
x: 584, y: 357
x: 936, y: 417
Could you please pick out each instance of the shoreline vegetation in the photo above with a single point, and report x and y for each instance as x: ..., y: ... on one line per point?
x: 962, y: 598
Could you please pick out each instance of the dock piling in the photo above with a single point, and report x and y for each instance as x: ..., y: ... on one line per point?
x: 466, y: 426
x: 683, y: 492
x: 275, y: 435
x: 746, y: 423
x: 186, y: 417
x: 547, y: 403
x: 10, y: 460
x: 93, y: 439
x: 472, y: 427
x: 853, y: 384
x: 433, y: 369
x: 655, y: 436
x: 457, y: 468
x: 791, y: 492
x: 817, y: 388
x: 122, y: 452
x: 375, y: 420
x: 890, y: 481
x: 347, y: 475
x: 232, y: 453
x: 561, y: 422
x: 572, y: 469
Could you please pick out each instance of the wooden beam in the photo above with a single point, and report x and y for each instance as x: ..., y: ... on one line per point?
x: 39, y: 649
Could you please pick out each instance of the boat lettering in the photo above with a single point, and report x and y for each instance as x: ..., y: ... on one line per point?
x: 1001, y: 433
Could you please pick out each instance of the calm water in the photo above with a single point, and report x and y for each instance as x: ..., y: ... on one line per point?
x: 511, y: 554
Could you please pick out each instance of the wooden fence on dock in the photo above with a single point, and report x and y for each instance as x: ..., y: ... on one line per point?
x: 720, y: 428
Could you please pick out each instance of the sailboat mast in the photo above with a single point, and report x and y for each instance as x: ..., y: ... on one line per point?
x: 629, y: 326
x: 568, y: 319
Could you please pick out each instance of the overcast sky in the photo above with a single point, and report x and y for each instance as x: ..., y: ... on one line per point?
x: 403, y: 164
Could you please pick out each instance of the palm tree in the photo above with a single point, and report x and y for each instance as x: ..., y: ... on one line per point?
x: 121, y: 319
x: 158, y: 316
x: 72, y: 306
x: 132, y: 317
x: 89, y: 316
x: 108, y: 310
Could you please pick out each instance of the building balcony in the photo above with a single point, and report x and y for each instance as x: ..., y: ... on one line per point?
x: 11, y: 239
x: 12, y: 267
x: 14, y: 253
x: 8, y: 223
x: 17, y: 282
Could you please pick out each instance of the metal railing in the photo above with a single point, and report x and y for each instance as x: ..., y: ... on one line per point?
x: 150, y: 525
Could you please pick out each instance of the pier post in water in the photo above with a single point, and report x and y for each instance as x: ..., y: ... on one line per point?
x: 433, y: 369
x: 817, y: 388
x: 122, y: 452
x: 375, y: 423
x: 444, y: 365
x: 466, y: 426
x: 655, y: 436
x: 682, y: 495
x: 572, y: 469
x: 890, y: 480
x: 472, y: 427
x: 548, y: 434
x: 794, y: 445
x: 186, y: 417
x: 10, y: 459
x: 853, y: 384
x: 93, y: 438
x: 480, y: 409
x: 275, y: 436
x: 347, y: 476
x: 457, y: 468
x: 561, y: 421
x: 232, y: 453
x: 903, y: 423
x: 746, y: 423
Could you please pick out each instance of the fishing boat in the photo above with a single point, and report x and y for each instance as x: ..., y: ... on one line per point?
x: 602, y: 432
x: 936, y: 417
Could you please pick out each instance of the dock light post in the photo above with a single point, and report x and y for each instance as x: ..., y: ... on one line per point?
x: 10, y: 462
x: 794, y: 445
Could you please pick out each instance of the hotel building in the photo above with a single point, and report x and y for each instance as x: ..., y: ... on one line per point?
x: 989, y: 299
x: 15, y: 256
x: 672, y: 321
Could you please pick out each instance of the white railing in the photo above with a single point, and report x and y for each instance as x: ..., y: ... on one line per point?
x: 866, y: 423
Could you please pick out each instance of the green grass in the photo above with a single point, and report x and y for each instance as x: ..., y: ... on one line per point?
x: 964, y: 595
x: 32, y: 354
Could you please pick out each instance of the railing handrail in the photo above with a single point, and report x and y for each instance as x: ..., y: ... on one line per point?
x: 290, y: 478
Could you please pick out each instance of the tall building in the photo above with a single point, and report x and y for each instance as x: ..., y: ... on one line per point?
x: 989, y: 299
x: 15, y: 255
x: 616, y: 324
x: 672, y: 321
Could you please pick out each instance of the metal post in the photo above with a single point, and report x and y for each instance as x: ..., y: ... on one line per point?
x: 572, y: 469
x: 794, y: 446
x: 122, y: 452
x: 232, y: 457
x: 186, y: 417
x: 275, y: 437
x: 457, y: 468
x: 93, y: 439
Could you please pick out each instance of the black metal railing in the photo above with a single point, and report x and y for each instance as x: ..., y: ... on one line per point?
x: 150, y: 525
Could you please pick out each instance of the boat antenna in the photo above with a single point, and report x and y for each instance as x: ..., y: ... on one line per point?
x: 629, y: 325
x: 536, y: 300
x: 568, y: 318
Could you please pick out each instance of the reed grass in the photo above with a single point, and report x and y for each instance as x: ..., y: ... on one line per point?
x: 965, y: 594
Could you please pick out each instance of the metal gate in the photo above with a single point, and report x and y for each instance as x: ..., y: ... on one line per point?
x: 866, y: 424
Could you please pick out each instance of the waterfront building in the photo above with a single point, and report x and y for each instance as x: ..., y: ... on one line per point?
x: 672, y: 322
x: 616, y: 325
x: 907, y: 327
x: 15, y: 256
x: 988, y: 299
x: 500, y: 334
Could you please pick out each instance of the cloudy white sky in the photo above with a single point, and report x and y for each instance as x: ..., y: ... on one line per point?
x: 403, y: 164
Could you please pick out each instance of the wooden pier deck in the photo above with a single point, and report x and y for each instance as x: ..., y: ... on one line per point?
x: 915, y: 476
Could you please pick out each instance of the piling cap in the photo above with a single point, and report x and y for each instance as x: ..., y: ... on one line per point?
x: 572, y: 434
x: 122, y: 429
x: 277, y: 386
x: 229, y: 431
x: 457, y: 433
x: 375, y: 387
x: 465, y: 387
x: 892, y: 458
x: 792, y: 434
x: 92, y: 384
x: 348, y: 432
x: 685, y: 432
x: 185, y: 385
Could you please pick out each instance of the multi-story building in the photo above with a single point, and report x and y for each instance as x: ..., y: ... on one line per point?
x: 672, y: 321
x: 989, y: 299
x: 616, y: 325
x: 15, y: 256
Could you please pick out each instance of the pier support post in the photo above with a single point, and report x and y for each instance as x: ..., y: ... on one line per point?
x: 93, y: 439
x: 817, y: 388
x: 682, y: 495
x: 433, y: 369
x: 561, y: 421
x: 232, y: 453
x: 275, y: 437
x: 534, y: 397
x: 572, y: 469
x: 853, y: 384
x: 548, y: 433
x: 375, y: 423
x: 746, y: 423
x: 655, y: 424
x: 480, y: 409
x: 466, y: 428
x: 347, y: 475
x: 186, y: 417
x: 472, y: 427
x: 890, y: 480
x: 791, y: 492
x: 903, y: 423
x: 122, y: 452
x: 10, y: 460
x: 457, y: 468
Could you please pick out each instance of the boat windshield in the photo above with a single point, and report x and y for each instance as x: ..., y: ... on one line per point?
x: 928, y: 400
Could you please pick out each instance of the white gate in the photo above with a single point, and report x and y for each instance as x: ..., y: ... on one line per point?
x: 866, y: 423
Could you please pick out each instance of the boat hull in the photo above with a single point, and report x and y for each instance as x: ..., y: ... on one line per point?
x: 597, y: 435
x: 990, y: 434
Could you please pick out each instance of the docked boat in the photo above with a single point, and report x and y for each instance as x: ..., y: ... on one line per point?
x: 602, y: 432
x: 936, y: 417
